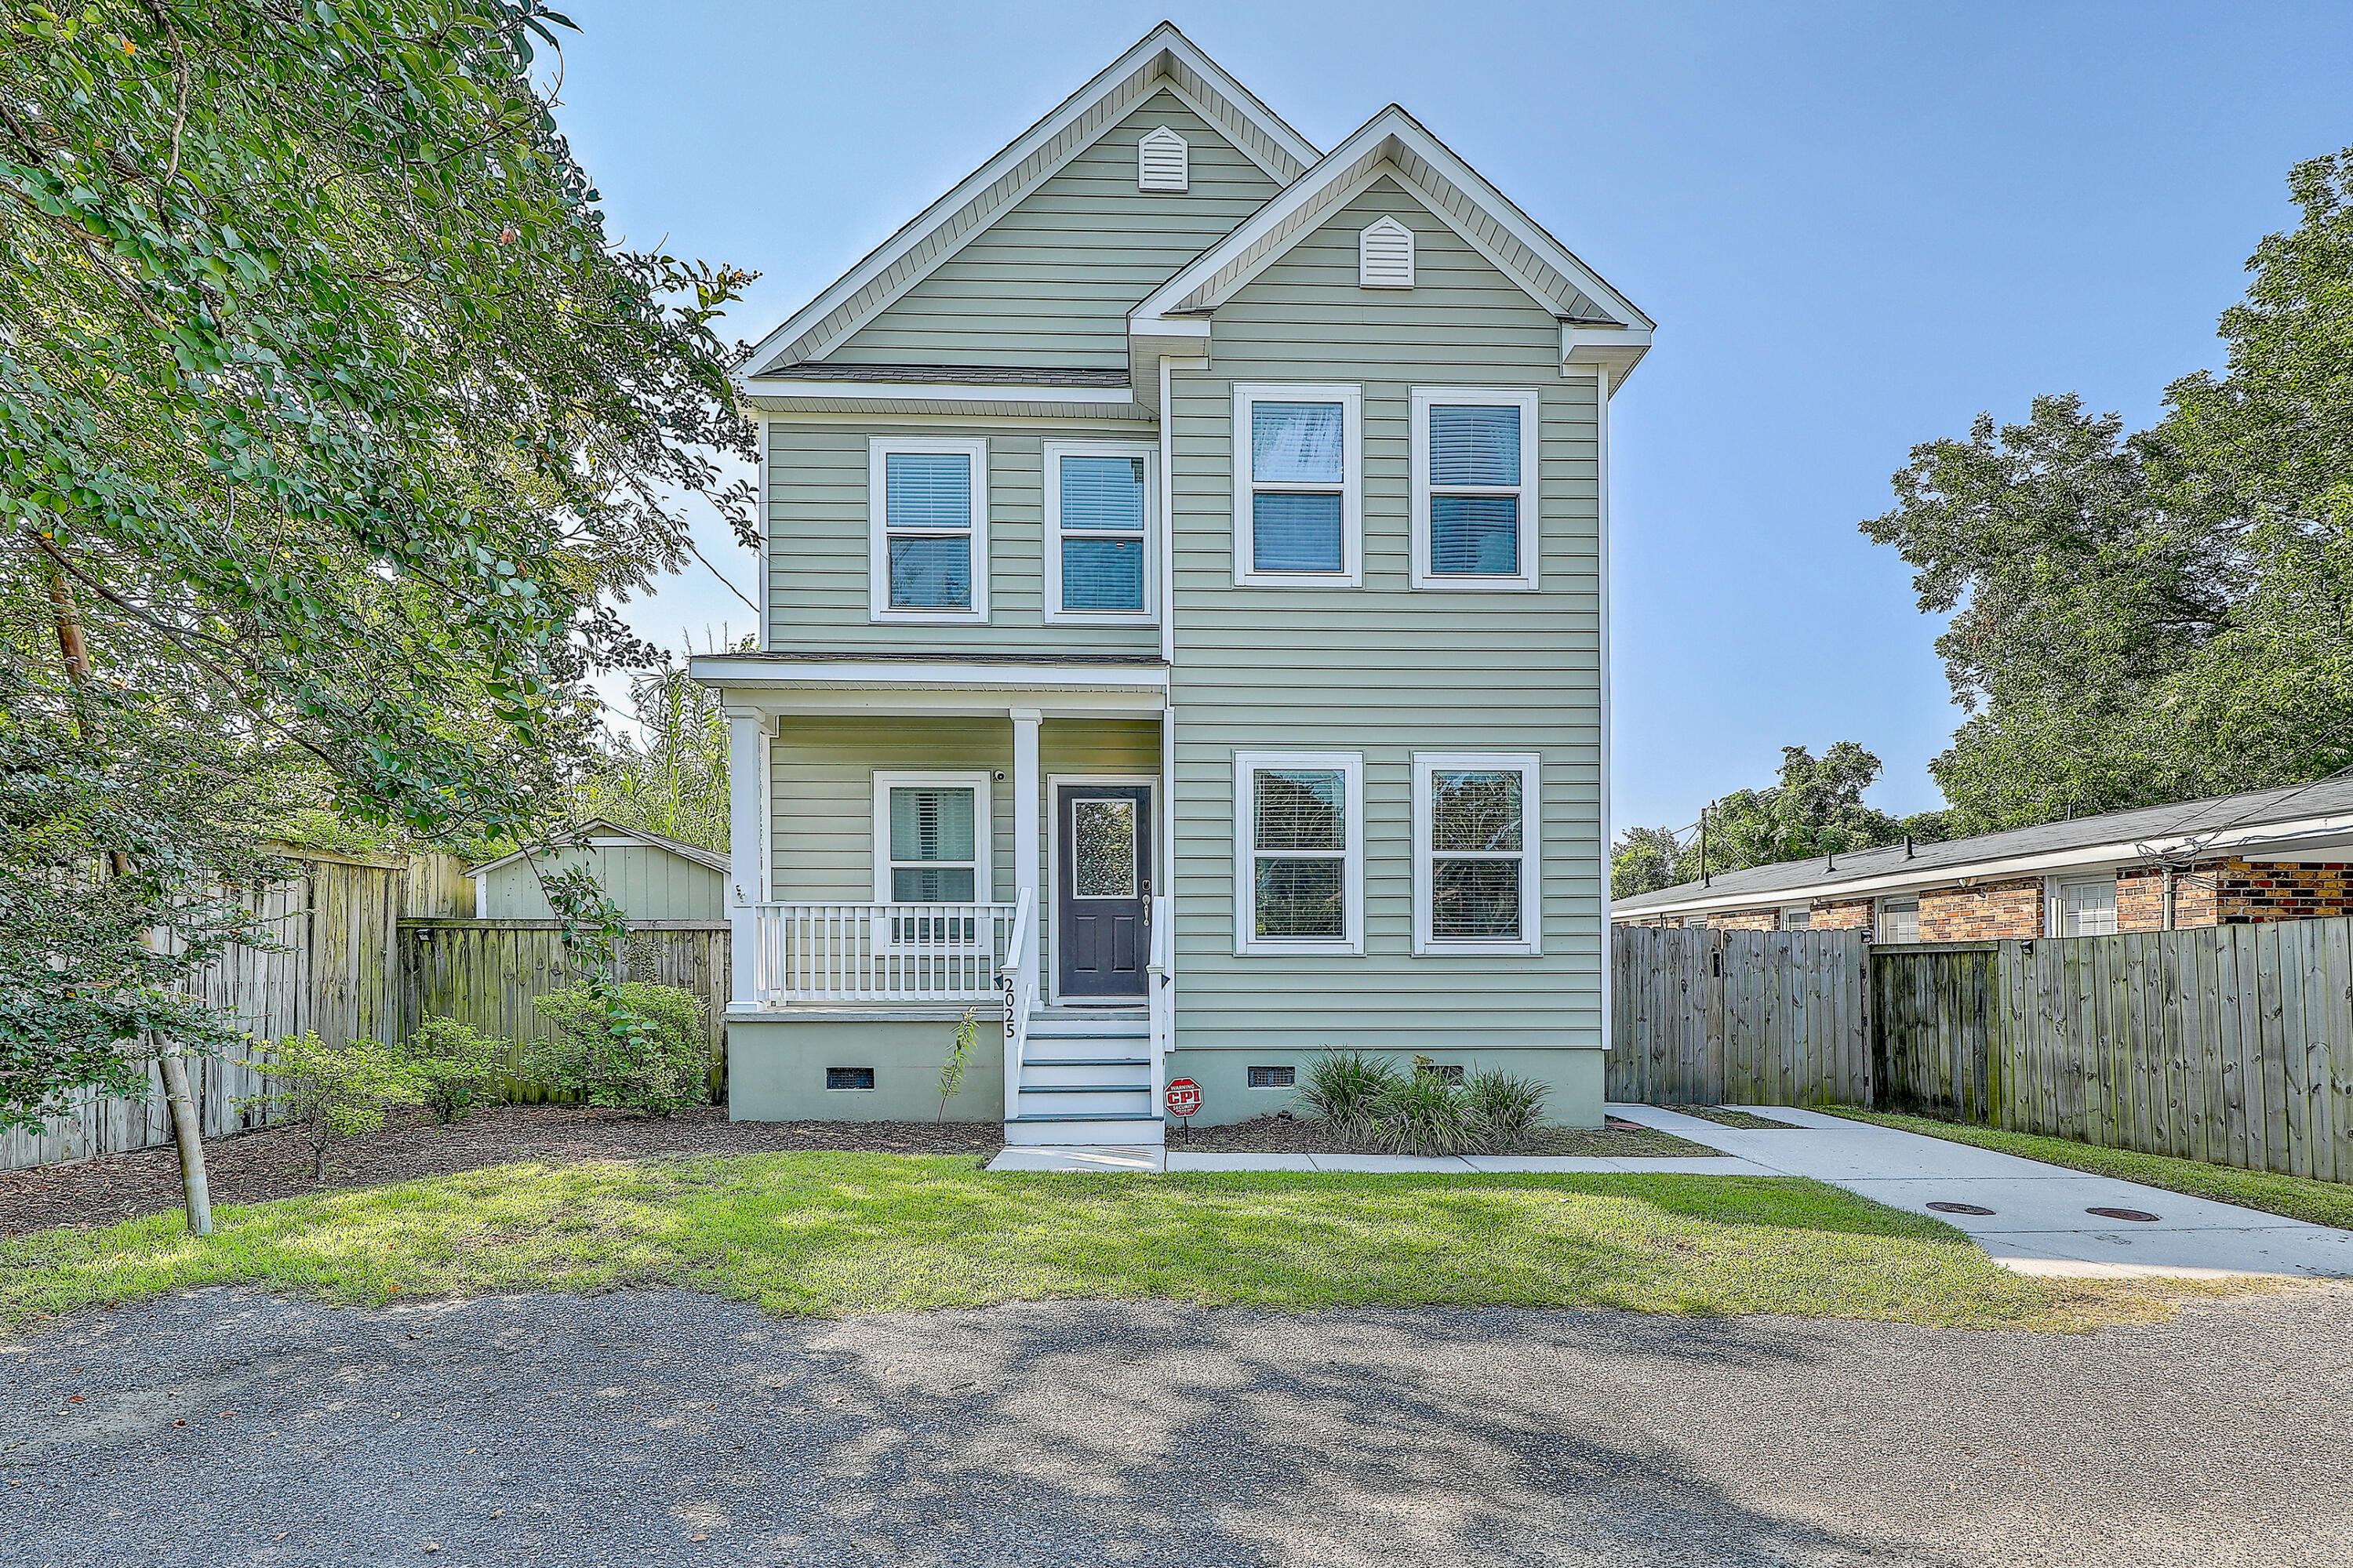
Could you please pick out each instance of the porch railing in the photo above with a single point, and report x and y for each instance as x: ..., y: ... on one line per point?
x: 881, y: 952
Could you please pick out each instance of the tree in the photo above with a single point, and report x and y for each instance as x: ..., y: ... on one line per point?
x: 674, y: 781
x: 331, y: 421
x: 2165, y: 615
x: 332, y: 1091
x: 1815, y: 807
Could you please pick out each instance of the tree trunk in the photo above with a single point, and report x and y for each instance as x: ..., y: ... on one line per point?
x: 188, y: 1131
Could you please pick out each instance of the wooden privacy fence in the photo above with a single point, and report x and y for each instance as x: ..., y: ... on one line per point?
x: 1706, y: 1017
x: 2231, y: 1043
x: 488, y: 973
x: 329, y: 972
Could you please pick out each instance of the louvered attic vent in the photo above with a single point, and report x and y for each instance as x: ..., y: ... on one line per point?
x: 1384, y: 255
x: 1163, y: 162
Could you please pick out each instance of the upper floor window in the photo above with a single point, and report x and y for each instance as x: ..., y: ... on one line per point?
x: 1299, y: 853
x: 1163, y: 161
x: 1477, y: 877
x: 1298, y: 517
x: 1099, y: 557
x: 1474, y: 487
x: 927, y: 501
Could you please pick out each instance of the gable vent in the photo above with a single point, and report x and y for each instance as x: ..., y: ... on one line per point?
x: 1384, y: 255
x: 1163, y: 162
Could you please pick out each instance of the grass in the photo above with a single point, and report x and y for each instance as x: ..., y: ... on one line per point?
x: 839, y: 1233
x: 2297, y: 1197
x: 1724, y: 1115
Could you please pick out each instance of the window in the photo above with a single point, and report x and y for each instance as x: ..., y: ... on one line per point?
x: 1799, y: 918
x: 1474, y: 490
x: 1899, y: 919
x: 1384, y: 255
x: 849, y: 1078
x: 928, y: 505
x: 930, y: 838
x: 2086, y: 908
x: 1477, y: 883
x: 1297, y: 517
x: 1299, y: 855
x: 1273, y: 1077
x: 1694, y: 922
x: 1162, y: 161
x: 1099, y: 556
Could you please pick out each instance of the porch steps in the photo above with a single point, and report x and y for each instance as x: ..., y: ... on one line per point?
x: 1086, y: 1080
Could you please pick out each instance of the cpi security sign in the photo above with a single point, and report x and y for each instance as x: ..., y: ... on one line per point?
x: 1184, y: 1098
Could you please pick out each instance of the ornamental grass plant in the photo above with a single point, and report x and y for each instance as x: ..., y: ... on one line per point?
x: 1368, y: 1103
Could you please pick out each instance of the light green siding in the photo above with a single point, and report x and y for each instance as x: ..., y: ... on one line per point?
x: 821, y: 797
x: 1384, y: 670
x: 1051, y: 281
x: 819, y: 585
x: 648, y: 881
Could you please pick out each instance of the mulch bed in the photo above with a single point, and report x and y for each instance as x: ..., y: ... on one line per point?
x: 274, y: 1162
x: 1746, y: 1121
x: 1291, y: 1135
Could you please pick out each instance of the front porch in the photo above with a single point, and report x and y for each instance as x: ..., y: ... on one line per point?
x: 917, y: 842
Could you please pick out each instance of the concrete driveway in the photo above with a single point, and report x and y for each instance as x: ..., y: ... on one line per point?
x: 664, y: 1427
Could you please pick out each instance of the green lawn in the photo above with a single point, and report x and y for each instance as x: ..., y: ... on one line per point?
x: 2297, y: 1197
x: 838, y: 1234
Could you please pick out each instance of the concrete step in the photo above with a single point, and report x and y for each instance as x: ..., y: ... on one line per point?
x: 1079, y: 1130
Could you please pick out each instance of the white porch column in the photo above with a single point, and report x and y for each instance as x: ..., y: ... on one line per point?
x: 1029, y: 806
x: 747, y: 837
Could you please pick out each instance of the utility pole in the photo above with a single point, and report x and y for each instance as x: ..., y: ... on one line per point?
x: 1704, y: 810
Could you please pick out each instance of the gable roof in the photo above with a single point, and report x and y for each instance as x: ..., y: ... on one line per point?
x: 1163, y: 60
x: 1597, y: 320
x: 604, y: 826
x: 2302, y: 816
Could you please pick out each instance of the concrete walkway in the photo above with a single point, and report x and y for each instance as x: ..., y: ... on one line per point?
x: 2038, y: 1222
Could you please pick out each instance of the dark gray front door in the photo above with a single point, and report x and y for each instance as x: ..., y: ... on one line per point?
x: 1103, y: 894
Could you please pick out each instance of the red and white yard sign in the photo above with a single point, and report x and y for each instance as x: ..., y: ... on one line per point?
x: 1184, y: 1098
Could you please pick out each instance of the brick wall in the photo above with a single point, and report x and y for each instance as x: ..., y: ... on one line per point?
x: 2249, y: 892
x: 1745, y: 920
x: 2140, y: 898
x: 1981, y: 913
x: 1844, y: 915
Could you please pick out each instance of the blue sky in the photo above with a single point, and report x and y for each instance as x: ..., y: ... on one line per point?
x: 1857, y: 226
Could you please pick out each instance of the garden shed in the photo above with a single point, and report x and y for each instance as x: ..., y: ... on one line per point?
x: 651, y: 877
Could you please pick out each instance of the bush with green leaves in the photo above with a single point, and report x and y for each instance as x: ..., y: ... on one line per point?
x: 637, y: 1047
x: 335, y: 1090
x: 1369, y: 1102
x: 462, y: 1068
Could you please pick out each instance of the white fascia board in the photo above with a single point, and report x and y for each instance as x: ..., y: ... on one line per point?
x: 1145, y: 61
x: 937, y: 391
x: 2256, y: 843
x: 925, y: 676
x: 1584, y: 349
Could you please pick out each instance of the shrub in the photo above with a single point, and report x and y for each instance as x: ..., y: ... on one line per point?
x: 1506, y: 1111
x: 1342, y: 1089
x: 645, y: 1051
x: 462, y: 1067
x: 1421, y: 1113
x: 336, y: 1089
x: 952, y: 1071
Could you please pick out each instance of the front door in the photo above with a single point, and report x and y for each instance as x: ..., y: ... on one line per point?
x: 1103, y: 893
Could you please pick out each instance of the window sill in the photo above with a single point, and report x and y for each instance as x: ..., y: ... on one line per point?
x: 1102, y: 617
x: 930, y: 617
x: 1299, y: 580
x: 1434, y: 948
x: 1281, y: 949
x: 1467, y: 582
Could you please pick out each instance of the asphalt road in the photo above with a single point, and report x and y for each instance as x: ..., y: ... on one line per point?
x: 662, y: 1427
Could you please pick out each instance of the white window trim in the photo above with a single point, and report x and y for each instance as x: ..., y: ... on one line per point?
x: 1247, y: 943
x: 1351, y: 399
x: 1789, y: 910
x: 1879, y: 916
x: 1530, y: 942
x: 1052, y: 453
x: 878, y: 546
x: 2054, y: 910
x: 1526, y: 400
x: 984, y: 839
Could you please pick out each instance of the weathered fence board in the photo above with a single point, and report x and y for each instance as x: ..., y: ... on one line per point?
x: 488, y: 974
x: 1763, y: 1017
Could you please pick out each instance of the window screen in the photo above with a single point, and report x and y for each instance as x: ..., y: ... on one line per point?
x: 933, y: 852
x: 1102, y: 523
x: 927, y: 516
x: 1298, y: 472
x: 1474, y: 485
x: 1300, y: 837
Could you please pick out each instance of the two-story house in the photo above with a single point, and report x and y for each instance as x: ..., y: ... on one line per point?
x: 1186, y: 630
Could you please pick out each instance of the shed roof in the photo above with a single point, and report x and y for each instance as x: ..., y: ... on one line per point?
x: 601, y: 826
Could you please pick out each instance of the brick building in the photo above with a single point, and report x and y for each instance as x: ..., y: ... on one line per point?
x: 2269, y: 855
